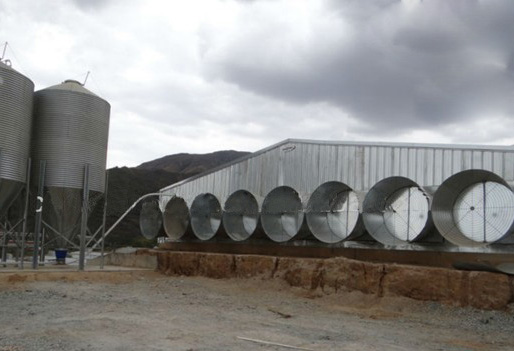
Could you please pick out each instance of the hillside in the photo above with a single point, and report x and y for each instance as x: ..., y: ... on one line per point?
x: 191, y: 164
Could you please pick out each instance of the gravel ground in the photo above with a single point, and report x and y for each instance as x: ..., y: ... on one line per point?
x: 154, y: 312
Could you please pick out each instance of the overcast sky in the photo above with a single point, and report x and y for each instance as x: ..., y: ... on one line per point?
x: 203, y: 75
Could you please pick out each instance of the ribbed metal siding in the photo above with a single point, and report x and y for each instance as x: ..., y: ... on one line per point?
x: 304, y: 165
x: 16, y: 94
x: 71, y: 129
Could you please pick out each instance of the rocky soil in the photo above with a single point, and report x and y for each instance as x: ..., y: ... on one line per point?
x: 154, y: 312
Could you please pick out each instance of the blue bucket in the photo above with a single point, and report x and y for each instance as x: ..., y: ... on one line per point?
x: 60, y: 256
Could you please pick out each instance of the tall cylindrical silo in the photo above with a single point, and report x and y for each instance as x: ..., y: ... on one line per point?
x: 71, y: 128
x: 474, y: 208
x: 396, y: 211
x: 16, y: 95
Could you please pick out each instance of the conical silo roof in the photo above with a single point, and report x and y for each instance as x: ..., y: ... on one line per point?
x: 71, y: 85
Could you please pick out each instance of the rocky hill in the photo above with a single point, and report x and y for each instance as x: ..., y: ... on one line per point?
x: 190, y: 164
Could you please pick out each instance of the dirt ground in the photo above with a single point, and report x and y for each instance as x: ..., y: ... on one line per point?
x: 155, y: 312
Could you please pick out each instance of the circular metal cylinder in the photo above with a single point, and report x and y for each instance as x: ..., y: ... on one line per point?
x: 176, y: 218
x: 71, y: 128
x: 396, y: 210
x: 240, y: 215
x: 282, y: 214
x: 16, y: 95
x: 474, y: 208
x: 332, y: 212
x: 150, y: 219
x: 206, y: 216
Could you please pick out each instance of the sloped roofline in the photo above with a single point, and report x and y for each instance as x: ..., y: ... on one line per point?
x: 349, y: 143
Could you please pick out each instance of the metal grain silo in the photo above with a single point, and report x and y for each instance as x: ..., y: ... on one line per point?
x: 474, y: 208
x: 16, y: 94
x: 71, y: 127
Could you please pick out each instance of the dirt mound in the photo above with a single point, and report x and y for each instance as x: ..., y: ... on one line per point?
x: 482, y: 290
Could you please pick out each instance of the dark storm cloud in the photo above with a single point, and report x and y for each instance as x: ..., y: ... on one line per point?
x: 403, y: 67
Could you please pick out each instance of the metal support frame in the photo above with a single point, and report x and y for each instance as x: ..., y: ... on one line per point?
x: 12, y: 230
x: 9, y: 230
x: 39, y: 212
x: 83, y: 225
x: 84, y: 240
x: 4, y: 243
x: 42, y: 228
x: 42, y: 251
x: 25, y: 212
x: 104, y: 220
x: 55, y: 231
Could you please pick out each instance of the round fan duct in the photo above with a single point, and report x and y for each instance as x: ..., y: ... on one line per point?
x: 150, y: 219
x: 206, y: 216
x: 240, y: 215
x: 396, y: 211
x: 176, y: 218
x: 282, y: 214
x: 474, y: 208
x: 332, y: 212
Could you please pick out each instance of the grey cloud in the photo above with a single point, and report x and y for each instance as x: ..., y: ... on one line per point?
x: 439, y: 64
x: 90, y: 5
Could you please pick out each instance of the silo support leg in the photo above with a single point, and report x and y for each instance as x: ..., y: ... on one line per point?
x: 83, y: 226
x: 39, y: 213
x: 104, y: 219
x: 25, y: 213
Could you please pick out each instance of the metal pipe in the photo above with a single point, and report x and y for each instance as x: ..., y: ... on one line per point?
x: 42, y: 254
x: 104, y: 220
x: 176, y: 218
x: 122, y: 217
x: 25, y: 212
x: 4, y: 243
x: 39, y: 212
x: 3, y: 52
x: 282, y: 215
x: 240, y: 215
x: 83, y: 225
x: 474, y: 208
x: 206, y: 215
x: 396, y: 211
x: 332, y: 212
x: 93, y: 235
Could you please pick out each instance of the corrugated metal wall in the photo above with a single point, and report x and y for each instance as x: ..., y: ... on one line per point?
x: 305, y: 164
